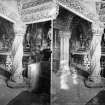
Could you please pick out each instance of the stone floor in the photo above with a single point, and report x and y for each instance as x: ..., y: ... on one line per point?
x: 29, y: 98
x: 7, y: 94
x: 21, y: 96
x: 76, y: 94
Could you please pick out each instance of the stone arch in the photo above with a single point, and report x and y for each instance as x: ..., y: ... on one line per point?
x: 80, y: 26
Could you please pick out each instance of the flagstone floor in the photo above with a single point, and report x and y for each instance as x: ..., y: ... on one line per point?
x: 7, y: 94
x: 76, y: 94
x: 20, y: 96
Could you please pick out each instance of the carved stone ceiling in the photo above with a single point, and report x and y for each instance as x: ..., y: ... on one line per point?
x: 11, y: 7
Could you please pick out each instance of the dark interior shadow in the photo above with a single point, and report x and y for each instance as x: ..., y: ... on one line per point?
x: 29, y: 98
x: 99, y: 99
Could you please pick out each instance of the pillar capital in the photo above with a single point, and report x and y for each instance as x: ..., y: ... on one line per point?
x: 97, y: 28
x: 65, y: 34
x: 20, y: 28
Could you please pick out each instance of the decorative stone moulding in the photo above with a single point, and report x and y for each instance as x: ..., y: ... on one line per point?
x: 36, y: 11
x: 46, y: 11
x: 100, y: 6
x: 33, y: 3
x: 77, y: 6
x: 97, y: 28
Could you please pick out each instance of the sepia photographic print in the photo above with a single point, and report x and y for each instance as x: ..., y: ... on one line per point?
x: 52, y: 52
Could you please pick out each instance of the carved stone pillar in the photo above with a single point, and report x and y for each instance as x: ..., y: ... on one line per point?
x: 64, y: 59
x: 17, y: 52
x: 64, y: 47
x: 95, y: 52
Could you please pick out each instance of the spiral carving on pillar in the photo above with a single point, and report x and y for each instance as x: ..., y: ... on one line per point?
x: 17, y: 52
x: 95, y: 51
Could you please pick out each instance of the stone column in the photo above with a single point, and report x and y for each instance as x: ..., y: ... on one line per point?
x: 64, y: 47
x: 64, y: 59
x: 95, y: 52
x: 17, y: 52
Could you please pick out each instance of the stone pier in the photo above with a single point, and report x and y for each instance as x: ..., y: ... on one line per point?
x: 17, y: 52
x: 95, y: 52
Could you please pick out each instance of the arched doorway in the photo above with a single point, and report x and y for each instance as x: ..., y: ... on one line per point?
x: 81, y: 36
x: 37, y: 50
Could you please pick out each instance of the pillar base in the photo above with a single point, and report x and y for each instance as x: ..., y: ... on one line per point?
x: 13, y: 84
x: 92, y: 84
x: 17, y: 78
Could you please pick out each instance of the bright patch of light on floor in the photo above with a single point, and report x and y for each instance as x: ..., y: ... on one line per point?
x: 75, y: 80
x: 63, y: 82
x: 65, y: 72
x: 64, y: 86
